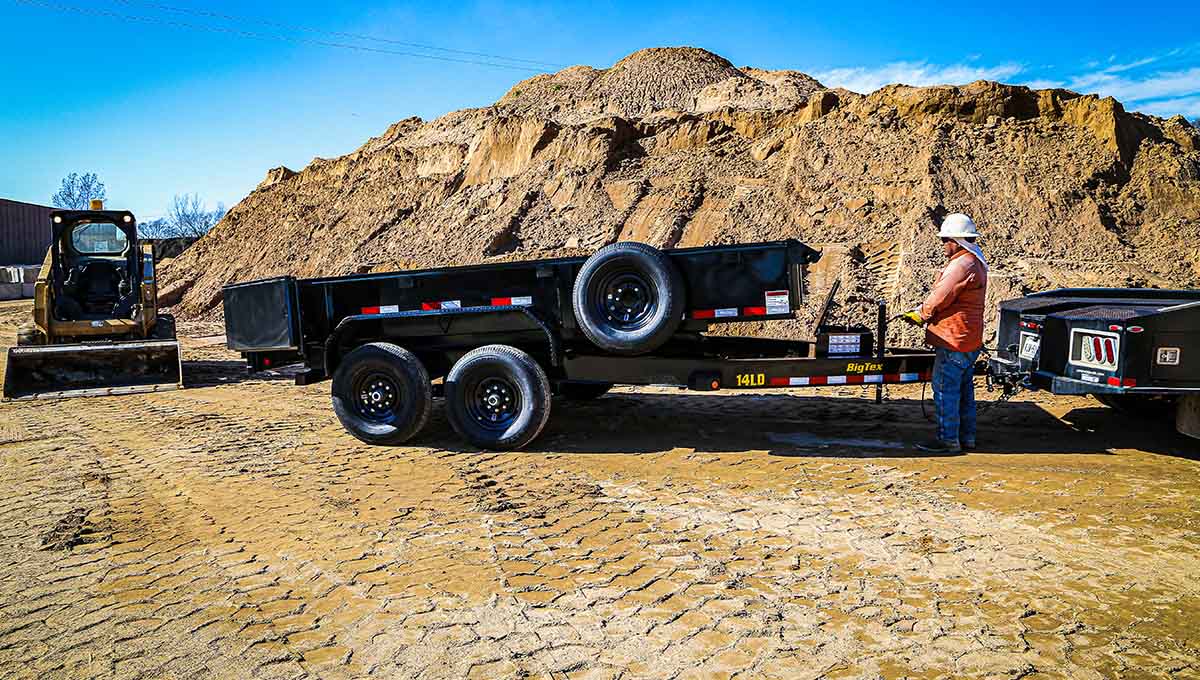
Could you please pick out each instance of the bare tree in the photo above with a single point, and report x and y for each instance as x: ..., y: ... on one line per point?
x: 189, y: 217
x: 77, y: 191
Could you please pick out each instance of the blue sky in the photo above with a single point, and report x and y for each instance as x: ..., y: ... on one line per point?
x: 160, y: 98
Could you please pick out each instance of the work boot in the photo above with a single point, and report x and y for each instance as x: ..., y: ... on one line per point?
x: 939, y: 446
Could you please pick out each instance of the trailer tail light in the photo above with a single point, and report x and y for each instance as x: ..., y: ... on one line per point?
x: 755, y: 311
x: 1136, y: 329
x: 1095, y: 349
x: 1031, y: 325
x: 370, y: 310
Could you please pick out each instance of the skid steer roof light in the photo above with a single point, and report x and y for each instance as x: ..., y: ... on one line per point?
x: 96, y: 204
x: 127, y: 218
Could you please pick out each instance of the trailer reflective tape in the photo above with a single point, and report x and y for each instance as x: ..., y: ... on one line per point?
x: 726, y: 312
x: 781, y: 381
x: 703, y: 313
x: 430, y: 306
x: 1129, y: 382
x: 1114, y: 381
x: 518, y: 301
x: 835, y: 380
x: 872, y: 378
x: 755, y: 311
x: 817, y: 380
x: 854, y: 379
x: 382, y: 309
x: 909, y: 377
x: 451, y: 304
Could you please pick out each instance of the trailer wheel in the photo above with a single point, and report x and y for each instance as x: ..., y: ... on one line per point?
x: 628, y: 298
x: 497, y: 397
x: 583, y: 391
x: 381, y: 393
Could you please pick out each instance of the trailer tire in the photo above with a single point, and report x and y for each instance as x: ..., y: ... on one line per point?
x: 583, y: 391
x: 381, y: 394
x: 497, y: 397
x: 634, y: 280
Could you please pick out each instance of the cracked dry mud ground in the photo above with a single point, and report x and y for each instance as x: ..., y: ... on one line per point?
x: 234, y: 530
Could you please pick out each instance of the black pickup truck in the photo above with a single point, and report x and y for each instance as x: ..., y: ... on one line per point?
x: 1133, y: 349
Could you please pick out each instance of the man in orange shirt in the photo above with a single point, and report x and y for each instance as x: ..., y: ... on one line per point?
x: 953, y: 319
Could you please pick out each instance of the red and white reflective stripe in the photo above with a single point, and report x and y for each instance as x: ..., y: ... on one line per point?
x: 1127, y: 382
x: 874, y: 378
x: 441, y: 304
x: 518, y: 301
x: 382, y: 309
x: 728, y: 312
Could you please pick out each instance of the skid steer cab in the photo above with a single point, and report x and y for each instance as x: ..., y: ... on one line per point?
x: 96, y: 327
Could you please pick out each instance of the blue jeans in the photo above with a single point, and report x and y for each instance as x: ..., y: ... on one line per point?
x: 954, y: 395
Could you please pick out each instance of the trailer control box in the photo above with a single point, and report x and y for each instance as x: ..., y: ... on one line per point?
x: 841, y: 341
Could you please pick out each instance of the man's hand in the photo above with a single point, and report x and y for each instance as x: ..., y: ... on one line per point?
x: 914, y: 318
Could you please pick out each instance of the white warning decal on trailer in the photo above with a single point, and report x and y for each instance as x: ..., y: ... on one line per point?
x: 777, y: 302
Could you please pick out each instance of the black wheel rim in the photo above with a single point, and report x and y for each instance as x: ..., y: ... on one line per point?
x: 625, y: 298
x: 494, y: 403
x: 376, y: 396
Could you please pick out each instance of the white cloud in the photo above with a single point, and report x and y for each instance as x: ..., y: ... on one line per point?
x: 868, y: 79
x: 1186, y: 106
x: 1159, y: 85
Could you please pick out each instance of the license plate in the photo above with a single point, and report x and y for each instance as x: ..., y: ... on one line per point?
x: 1029, y: 346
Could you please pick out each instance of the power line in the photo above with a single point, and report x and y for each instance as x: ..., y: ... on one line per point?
x: 339, y: 34
x: 255, y: 35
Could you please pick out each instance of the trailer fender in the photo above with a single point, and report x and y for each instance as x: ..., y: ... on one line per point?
x: 402, y: 325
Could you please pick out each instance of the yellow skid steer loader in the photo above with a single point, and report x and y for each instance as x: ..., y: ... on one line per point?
x: 96, y: 327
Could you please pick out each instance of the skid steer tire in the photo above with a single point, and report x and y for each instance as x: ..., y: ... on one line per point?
x: 628, y: 298
x: 497, y: 397
x: 583, y: 391
x: 164, y: 328
x: 29, y: 335
x: 381, y: 394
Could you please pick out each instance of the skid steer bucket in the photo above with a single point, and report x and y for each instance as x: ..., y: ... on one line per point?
x: 93, y: 369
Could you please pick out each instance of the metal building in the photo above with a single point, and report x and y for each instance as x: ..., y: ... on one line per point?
x: 24, y: 232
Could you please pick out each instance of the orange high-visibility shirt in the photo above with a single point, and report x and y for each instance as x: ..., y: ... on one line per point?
x: 954, y: 308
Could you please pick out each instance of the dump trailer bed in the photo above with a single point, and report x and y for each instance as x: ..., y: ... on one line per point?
x: 626, y: 315
x: 1136, y: 349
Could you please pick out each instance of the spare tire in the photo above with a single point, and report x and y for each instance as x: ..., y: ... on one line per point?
x: 628, y: 298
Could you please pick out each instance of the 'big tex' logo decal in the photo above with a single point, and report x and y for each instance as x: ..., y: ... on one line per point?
x: 863, y: 367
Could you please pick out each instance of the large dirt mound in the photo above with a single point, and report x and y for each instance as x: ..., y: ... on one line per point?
x: 677, y: 147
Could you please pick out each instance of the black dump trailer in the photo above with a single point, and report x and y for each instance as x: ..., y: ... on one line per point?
x: 1134, y: 349
x: 503, y: 338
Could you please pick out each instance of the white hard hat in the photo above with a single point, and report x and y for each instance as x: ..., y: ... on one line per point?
x: 958, y: 225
